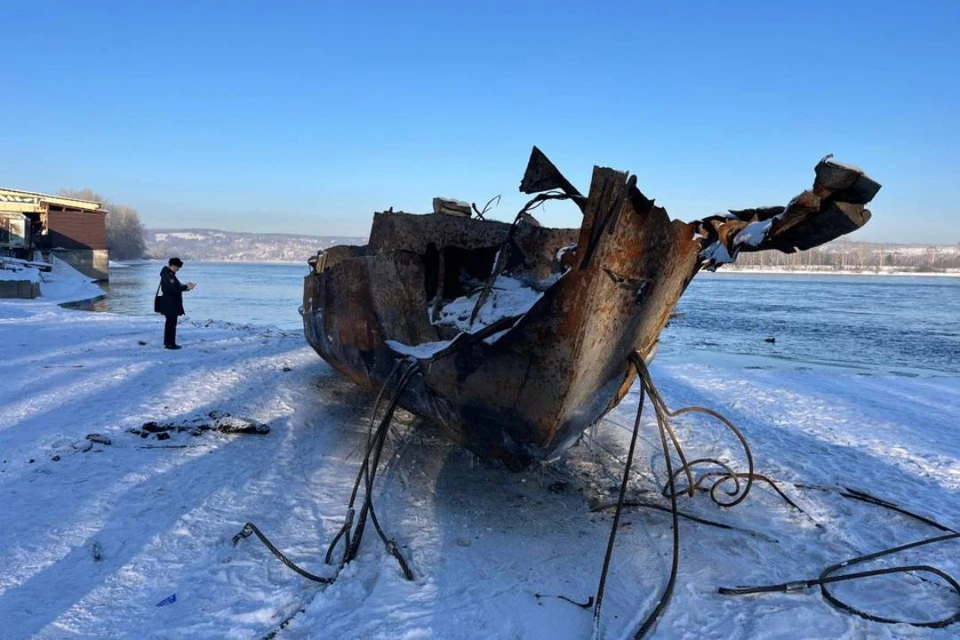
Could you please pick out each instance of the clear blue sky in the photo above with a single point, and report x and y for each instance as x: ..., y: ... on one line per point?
x: 308, y: 117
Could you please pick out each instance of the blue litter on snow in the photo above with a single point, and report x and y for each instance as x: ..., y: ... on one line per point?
x: 170, y: 599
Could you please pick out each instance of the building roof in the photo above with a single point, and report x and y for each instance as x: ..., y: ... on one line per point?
x: 32, y: 202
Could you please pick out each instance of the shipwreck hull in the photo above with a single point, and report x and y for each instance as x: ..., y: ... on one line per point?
x: 523, y: 383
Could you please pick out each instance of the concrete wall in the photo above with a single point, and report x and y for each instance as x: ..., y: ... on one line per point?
x: 19, y: 289
x: 92, y: 263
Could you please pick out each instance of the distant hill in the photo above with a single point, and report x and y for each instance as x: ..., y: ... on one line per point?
x: 212, y: 244
x: 840, y: 255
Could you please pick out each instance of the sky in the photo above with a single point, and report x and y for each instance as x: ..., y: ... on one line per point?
x: 308, y: 117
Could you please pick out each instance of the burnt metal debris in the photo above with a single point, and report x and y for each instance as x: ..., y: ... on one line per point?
x: 522, y: 332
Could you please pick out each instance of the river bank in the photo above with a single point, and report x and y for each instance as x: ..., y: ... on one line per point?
x: 96, y: 535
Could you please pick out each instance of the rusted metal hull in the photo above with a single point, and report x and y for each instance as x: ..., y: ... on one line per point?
x: 523, y: 387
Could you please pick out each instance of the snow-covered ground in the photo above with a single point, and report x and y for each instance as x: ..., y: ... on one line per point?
x: 61, y: 284
x: 94, y: 536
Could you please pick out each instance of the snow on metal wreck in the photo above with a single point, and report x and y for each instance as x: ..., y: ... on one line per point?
x: 523, y: 333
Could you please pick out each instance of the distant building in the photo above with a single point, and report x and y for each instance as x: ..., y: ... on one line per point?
x: 73, y: 230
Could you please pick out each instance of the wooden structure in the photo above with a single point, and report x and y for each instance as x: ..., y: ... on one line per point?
x: 73, y: 230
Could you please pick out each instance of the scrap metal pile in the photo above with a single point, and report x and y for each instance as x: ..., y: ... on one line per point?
x: 523, y: 333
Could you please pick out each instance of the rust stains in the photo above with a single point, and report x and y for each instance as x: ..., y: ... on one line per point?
x: 523, y: 332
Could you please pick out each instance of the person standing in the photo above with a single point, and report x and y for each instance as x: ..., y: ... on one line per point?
x: 171, y: 300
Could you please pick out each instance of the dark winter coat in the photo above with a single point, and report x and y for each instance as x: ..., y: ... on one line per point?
x: 171, y: 300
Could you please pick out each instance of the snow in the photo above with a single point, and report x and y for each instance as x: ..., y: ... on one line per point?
x: 62, y: 284
x: 17, y: 272
x: 508, y: 297
x: 843, y: 165
x: 753, y: 234
x: 483, y: 542
x: 66, y: 284
x: 179, y: 235
x: 423, y: 350
x: 716, y: 254
x: 562, y: 251
x: 457, y: 201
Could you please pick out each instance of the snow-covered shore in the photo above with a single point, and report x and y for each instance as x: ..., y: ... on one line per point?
x: 96, y: 535
x: 61, y: 284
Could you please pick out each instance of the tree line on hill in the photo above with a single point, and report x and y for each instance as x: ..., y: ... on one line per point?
x: 859, y: 256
